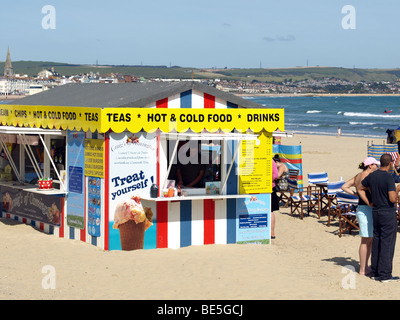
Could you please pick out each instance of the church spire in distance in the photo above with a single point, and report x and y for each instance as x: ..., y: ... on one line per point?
x: 8, y: 69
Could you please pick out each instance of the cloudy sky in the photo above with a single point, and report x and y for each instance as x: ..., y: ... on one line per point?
x: 218, y: 33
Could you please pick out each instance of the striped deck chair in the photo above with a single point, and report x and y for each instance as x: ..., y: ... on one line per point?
x: 333, y: 188
x: 302, y: 198
x: 284, y: 195
x: 346, y: 211
x: 318, y: 177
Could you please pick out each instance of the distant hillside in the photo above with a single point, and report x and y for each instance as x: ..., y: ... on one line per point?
x: 32, y: 68
x: 304, y: 73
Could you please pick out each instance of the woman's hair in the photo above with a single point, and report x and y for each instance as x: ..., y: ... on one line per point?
x: 362, y: 166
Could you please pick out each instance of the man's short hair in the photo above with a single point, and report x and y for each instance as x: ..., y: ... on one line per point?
x: 386, y: 159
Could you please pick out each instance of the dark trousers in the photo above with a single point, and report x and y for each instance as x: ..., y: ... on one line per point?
x: 385, y: 232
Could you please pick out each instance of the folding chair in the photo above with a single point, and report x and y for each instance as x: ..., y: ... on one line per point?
x: 333, y: 189
x: 346, y: 211
x: 319, y: 177
x: 320, y: 180
x: 304, y: 199
x: 284, y: 195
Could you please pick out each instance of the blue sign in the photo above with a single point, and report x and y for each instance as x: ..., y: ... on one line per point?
x: 76, y: 196
x: 253, y: 219
x: 75, y: 179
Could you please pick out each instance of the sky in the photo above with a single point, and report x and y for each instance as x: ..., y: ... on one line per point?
x: 204, y: 34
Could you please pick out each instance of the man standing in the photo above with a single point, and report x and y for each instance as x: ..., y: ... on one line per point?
x: 384, y: 196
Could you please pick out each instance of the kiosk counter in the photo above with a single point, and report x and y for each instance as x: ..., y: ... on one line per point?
x: 139, y: 165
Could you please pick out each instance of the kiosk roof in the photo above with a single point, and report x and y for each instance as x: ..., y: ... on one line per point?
x: 130, y: 95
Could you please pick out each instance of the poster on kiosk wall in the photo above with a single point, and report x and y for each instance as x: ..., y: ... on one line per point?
x: 132, y: 172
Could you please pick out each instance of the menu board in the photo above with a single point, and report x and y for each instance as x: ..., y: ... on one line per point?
x: 255, y: 167
x: 94, y: 158
x: 94, y: 206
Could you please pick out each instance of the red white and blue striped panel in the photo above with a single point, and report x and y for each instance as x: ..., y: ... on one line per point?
x: 198, y: 222
x: 192, y: 99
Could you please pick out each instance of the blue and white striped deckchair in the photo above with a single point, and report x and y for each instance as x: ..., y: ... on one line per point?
x: 332, y: 189
x: 346, y: 211
x: 318, y: 177
x: 302, y: 200
x: 335, y: 187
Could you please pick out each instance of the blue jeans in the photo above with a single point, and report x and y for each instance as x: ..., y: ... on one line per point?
x: 385, y: 232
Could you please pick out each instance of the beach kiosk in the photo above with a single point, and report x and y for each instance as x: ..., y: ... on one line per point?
x: 106, y: 164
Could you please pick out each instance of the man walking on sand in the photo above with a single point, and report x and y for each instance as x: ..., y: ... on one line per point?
x: 384, y: 196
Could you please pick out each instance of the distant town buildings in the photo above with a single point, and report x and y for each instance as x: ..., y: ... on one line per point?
x: 22, y: 85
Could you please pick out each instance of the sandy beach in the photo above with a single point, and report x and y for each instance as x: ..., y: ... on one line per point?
x: 306, y: 261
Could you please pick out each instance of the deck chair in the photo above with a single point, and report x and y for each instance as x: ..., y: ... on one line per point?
x: 284, y: 195
x: 303, y: 198
x: 318, y: 177
x: 333, y: 189
x: 346, y: 212
x: 313, y: 180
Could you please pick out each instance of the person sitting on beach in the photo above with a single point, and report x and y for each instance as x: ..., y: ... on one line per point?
x: 283, y: 173
x: 364, y: 211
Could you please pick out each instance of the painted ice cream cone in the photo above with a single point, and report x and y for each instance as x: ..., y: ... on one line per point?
x: 132, y: 235
x: 132, y: 220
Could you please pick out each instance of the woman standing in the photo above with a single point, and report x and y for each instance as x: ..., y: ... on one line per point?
x: 276, y: 174
x: 364, y: 211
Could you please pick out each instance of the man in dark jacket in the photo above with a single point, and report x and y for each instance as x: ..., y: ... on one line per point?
x: 384, y: 196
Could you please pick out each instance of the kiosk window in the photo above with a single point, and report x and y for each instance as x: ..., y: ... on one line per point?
x: 196, y: 162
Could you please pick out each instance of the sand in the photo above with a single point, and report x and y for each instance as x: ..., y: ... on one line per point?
x: 306, y: 261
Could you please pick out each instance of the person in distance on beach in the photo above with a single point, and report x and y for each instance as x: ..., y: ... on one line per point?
x: 364, y: 211
x: 384, y: 195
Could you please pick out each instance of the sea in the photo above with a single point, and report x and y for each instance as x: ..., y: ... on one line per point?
x: 358, y: 116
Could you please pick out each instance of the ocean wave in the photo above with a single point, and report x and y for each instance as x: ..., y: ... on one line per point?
x: 358, y: 135
x: 308, y: 125
x: 362, y: 123
x: 314, y: 111
x: 370, y: 115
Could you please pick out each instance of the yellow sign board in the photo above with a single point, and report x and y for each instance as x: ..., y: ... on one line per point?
x: 94, y: 158
x: 137, y: 119
x: 255, y: 166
